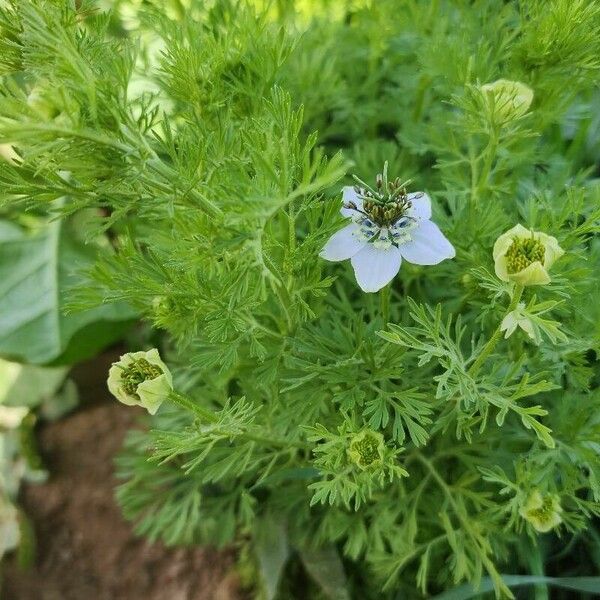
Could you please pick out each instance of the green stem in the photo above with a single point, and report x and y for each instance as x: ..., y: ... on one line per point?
x: 155, y: 164
x: 424, y: 86
x: 488, y: 161
x: 384, y: 303
x: 467, y: 526
x: 491, y: 344
x: 202, y: 413
x: 283, y: 296
x: 273, y: 441
x: 291, y: 215
x: 209, y: 416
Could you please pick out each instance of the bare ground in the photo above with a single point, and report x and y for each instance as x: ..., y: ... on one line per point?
x: 85, y: 549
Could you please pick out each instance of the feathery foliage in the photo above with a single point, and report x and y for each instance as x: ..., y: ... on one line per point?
x: 212, y: 140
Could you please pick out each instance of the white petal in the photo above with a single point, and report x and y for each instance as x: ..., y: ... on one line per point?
x: 421, y: 205
x: 428, y: 246
x: 350, y: 195
x: 376, y: 267
x: 344, y: 244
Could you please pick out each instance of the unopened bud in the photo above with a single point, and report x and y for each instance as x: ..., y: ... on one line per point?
x: 366, y: 449
x: 543, y: 512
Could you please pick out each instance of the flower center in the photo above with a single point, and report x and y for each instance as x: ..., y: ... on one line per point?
x: 365, y: 451
x: 384, y: 218
x: 137, y: 372
x: 388, y: 212
x: 522, y: 253
x: 547, y: 512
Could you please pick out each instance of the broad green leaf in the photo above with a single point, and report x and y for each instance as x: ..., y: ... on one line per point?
x: 28, y: 385
x: 36, y: 270
x: 326, y: 569
x: 590, y: 585
x: 272, y: 551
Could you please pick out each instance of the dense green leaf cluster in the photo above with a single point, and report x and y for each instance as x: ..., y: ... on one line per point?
x: 190, y: 130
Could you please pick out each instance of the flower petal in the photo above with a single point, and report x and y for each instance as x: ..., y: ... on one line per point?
x: 428, y: 246
x: 153, y: 357
x: 376, y: 267
x: 509, y: 324
x: 500, y: 268
x: 349, y: 195
x: 533, y: 274
x: 420, y: 205
x: 115, y: 384
x: 504, y: 242
x: 344, y: 244
x: 153, y: 392
x: 552, y: 250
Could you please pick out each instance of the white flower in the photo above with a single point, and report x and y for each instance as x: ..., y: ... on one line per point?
x: 140, y: 379
x: 384, y: 230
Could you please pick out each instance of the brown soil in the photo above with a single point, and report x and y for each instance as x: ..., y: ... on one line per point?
x: 85, y: 550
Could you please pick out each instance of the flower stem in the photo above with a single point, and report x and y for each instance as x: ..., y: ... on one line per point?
x: 488, y: 156
x: 384, y: 303
x: 209, y: 416
x: 491, y: 344
x: 202, y: 413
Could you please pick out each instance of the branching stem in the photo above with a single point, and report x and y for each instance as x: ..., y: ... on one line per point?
x: 384, y: 303
x: 209, y: 416
x: 493, y: 341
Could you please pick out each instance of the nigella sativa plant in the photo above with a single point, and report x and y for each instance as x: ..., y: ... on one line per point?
x: 387, y: 225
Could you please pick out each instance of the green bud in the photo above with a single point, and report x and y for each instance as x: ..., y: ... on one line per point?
x: 140, y: 379
x: 510, y: 99
x: 366, y: 449
x: 543, y: 512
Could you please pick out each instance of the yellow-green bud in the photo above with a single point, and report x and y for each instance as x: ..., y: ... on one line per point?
x: 366, y: 449
x: 543, y: 512
x: 140, y: 379
x: 525, y: 256
x: 510, y: 99
x: 7, y: 153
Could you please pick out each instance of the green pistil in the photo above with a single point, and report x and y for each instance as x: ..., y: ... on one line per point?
x: 385, y: 215
x: 387, y: 202
x: 522, y: 253
x: 137, y: 372
x: 365, y: 451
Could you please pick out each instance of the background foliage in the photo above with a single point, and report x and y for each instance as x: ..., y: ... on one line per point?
x: 209, y: 141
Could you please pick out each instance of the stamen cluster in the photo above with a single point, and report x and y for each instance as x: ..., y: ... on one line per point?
x: 385, y: 204
x: 522, y: 253
x: 137, y: 372
x: 389, y: 212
